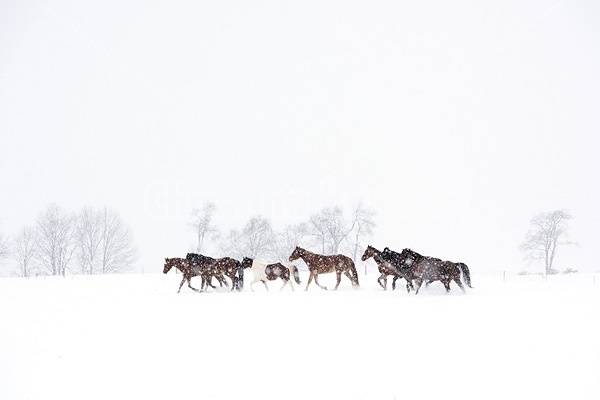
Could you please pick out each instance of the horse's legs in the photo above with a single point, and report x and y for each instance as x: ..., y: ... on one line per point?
x: 189, y: 279
x: 419, y: 283
x: 446, y: 283
x: 310, y: 278
x: 181, y: 284
x: 338, y: 275
x: 382, y: 280
x: 321, y: 286
x: 233, y: 282
x: 409, y: 285
x: 285, y: 282
x: 459, y: 283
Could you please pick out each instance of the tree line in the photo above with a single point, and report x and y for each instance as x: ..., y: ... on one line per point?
x: 329, y: 231
x: 98, y: 241
x: 91, y: 241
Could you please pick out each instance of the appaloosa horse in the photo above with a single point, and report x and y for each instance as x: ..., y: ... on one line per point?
x: 263, y: 273
x: 221, y: 266
x: 387, y: 269
x: 320, y: 264
x: 429, y: 269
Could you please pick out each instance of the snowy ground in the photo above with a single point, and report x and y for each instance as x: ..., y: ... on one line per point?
x: 133, y: 336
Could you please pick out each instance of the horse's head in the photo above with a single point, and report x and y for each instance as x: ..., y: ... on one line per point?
x: 168, y: 265
x: 369, y: 252
x: 247, y: 262
x: 296, y: 254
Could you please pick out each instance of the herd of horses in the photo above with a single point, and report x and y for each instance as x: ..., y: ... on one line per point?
x: 409, y: 265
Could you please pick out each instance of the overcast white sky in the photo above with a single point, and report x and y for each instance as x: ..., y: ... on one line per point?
x: 455, y: 121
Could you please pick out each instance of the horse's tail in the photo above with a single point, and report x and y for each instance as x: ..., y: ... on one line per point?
x: 466, y: 274
x: 296, y: 274
x: 354, y: 274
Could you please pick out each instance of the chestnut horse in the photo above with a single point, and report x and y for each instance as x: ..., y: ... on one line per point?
x: 263, y: 273
x: 386, y: 269
x: 429, y: 269
x: 320, y: 264
x: 189, y: 271
x: 221, y: 266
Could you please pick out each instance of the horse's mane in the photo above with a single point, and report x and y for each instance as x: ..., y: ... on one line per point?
x: 388, y: 254
x: 196, y: 258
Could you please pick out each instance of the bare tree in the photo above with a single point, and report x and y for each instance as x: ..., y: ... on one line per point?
x: 330, y: 228
x: 202, y: 224
x: 55, y: 244
x: 548, y: 232
x: 287, y: 240
x: 89, y: 232
x: 256, y: 240
x: 25, y: 252
x: 363, y: 226
x: 4, y: 247
x: 117, y: 248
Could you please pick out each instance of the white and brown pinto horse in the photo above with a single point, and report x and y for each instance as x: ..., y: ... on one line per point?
x: 263, y: 272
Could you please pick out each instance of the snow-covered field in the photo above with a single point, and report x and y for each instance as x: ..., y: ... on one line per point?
x: 133, y: 336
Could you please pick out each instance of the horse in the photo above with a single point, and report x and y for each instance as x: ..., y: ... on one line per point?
x: 386, y: 269
x: 320, y: 264
x: 263, y: 273
x: 221, y: 266
x: 188, y: 270
x: 429, y: 269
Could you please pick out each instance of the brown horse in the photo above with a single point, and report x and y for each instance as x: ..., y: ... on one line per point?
x: 429, y: 269
x: 319, y: 264
x: 189, y: 271
x: 387, y: 269
x: 221, y: 266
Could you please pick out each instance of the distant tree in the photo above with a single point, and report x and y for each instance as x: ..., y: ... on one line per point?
x: 55, y: 240
x: 548, y: 232
x: 287, y: 240
x: 255, y: 240
x: 88, y: 234
x: 25, y: 252
x: 4, y: 247
x: 117, y: 247
x: 203, y: 225
x: 363, y: 226
x: 330, y: 228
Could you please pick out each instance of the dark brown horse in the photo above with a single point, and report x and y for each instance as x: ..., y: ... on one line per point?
x: 320, y: 264
x: 220, y: 266
x: 189, y: 271
x: 429, y: 269
x: 387, y: 269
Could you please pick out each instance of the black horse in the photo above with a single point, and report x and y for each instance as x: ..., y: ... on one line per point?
x: 422, y: 268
